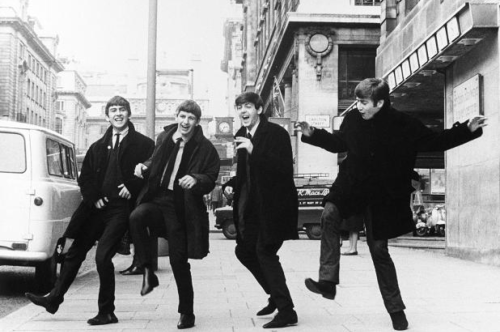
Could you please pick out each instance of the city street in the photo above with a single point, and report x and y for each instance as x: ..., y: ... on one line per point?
x: 17, y: 280
x: 441, y: 294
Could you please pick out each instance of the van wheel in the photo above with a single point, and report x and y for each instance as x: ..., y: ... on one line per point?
x: 229, y: 230
x: 46, y: 275
x: 313, y: 231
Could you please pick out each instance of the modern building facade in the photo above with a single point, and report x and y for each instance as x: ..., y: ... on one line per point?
x: 441, y: 59
x: 28, y: 68
x: 71, y: 108
x: 305, y: 58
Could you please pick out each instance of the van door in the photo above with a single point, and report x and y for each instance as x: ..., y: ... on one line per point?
x: 15, y: 179
x: 57, y: 191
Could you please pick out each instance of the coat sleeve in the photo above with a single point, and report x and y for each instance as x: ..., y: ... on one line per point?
x: 134, y: 183
x: 149, y: 160
x: 333, y: 142
x: 427, y: 140
x: 205, y: 180
x: 87, y: 180
x: 330, y: 142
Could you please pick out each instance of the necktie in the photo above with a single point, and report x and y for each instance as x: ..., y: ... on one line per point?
x: 170, y: 164
x: 247, y: 162
x: 117, y: 142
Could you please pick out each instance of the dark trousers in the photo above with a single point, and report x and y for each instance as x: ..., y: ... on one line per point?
x: 263, y: 262
x: 382, y: 261
x: 157, y: 218
x: 107, y: 226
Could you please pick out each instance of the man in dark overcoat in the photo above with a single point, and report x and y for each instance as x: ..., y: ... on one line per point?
x: 183, y: 168
x: 265, y: 207
x: 382, y: 146
x: 109, y: 189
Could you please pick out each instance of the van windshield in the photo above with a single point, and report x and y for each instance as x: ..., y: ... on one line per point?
x: 12, y: 153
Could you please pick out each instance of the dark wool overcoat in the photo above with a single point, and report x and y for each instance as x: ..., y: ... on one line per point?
x: 135, y: 148
x: 381, y: 157
x: 271, y: 174
x: 203, y: 165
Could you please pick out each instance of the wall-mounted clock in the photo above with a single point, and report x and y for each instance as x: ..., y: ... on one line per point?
x: 224, y: 127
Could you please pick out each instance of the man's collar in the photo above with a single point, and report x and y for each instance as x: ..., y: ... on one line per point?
x: 254, y: 129
x: 122, y: 133
x: 178, y: 135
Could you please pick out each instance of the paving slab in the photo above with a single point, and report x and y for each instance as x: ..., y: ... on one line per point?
x: 441, y: 294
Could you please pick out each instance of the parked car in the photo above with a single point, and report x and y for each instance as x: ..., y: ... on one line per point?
x: 310, y: 189
x: 39, y: 193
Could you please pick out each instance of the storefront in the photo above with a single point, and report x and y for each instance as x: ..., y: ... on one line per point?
x: 442, y: 63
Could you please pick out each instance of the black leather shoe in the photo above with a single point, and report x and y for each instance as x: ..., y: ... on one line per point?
x: 269, y: 309
x: 282, y: 319
x: 326, y: 288
x: 149, y: 281
x: 132, y: 270
x: 103, y: 319
x: 399, y: 322
x: 185, y: 321
x: 43, y: 301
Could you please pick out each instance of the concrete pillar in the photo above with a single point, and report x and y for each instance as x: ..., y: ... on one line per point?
x: 316, y: 97
x: 288, y: 100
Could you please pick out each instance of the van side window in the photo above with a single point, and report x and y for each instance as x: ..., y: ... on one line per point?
x: 12, y: 153
x: 54, y: 161
x: 70, y: 161
x: 60, y: 160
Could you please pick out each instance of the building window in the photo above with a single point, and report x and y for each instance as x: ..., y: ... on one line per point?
x: 59, y: 105
x: 355, y: 64
x: 59, y: 123
x: 21, y: 51
x: 409, y: 5
x: 367, y: 2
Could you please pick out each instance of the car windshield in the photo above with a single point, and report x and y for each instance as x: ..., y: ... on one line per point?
x: 12, y: 153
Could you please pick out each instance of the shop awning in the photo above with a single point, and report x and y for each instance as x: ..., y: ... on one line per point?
x: 457, y: 36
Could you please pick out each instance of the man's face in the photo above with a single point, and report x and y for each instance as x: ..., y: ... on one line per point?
x: 367, y: 108
x: 118, y: 116
x: 248, y: 114
x: 187, y: 122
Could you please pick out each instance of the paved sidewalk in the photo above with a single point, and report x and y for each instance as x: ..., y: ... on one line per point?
x: 441, y: 294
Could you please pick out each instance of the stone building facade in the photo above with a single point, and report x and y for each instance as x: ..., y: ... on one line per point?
x: 173, y: 86
x: 304, y: 58
x: 28, y: 68
x: 71, y: 108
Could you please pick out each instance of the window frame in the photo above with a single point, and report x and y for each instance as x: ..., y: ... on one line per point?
x: 25, y: 153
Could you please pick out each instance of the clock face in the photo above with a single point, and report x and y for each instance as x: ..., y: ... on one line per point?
x: 224, y: 127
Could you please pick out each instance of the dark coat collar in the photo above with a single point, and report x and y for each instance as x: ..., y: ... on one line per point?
x: 109, y: 132
x: 262, y: 128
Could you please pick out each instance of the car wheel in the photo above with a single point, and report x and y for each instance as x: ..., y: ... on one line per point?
x: 421, y: 231
x: 229, y: 230
x: 46, y: 275
x: 441, y: 231
x: 313, y: 231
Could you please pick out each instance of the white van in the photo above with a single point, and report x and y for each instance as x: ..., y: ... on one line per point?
x: 38, y: 195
